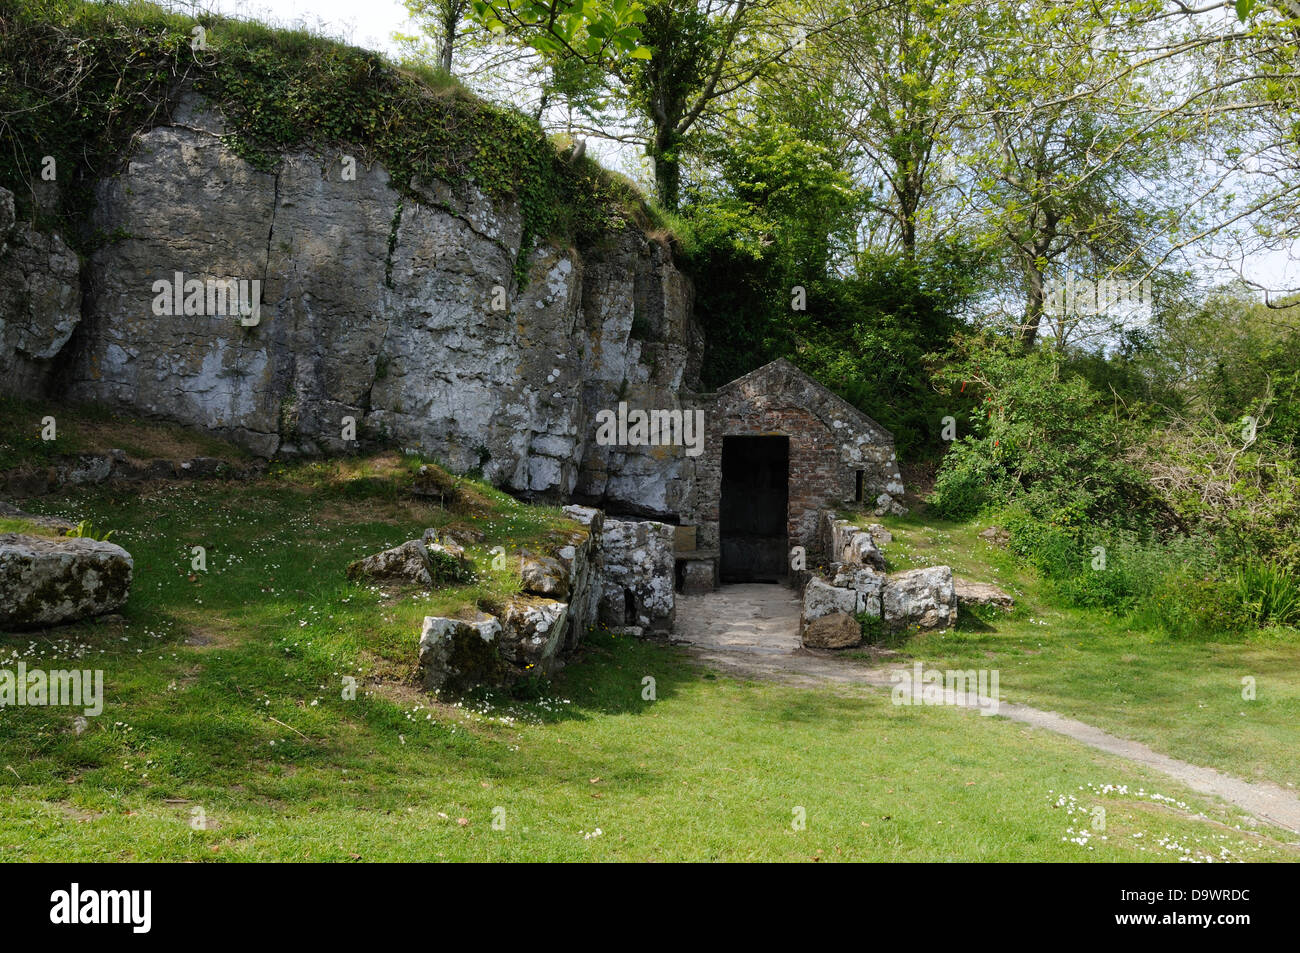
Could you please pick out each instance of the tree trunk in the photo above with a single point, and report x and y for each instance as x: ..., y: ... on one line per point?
x: 1033, y: 306
x: 450, y: 20
x: 668, y: 171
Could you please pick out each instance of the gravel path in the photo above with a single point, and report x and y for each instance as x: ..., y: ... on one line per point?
x: 752, y: 631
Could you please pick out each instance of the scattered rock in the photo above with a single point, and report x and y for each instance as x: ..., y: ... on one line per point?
x: 86, y: 470
x: 981, y: 594
x: 919, y: 597
x: 47, y: 581
x: 886, y: 505
x: 543, y: 576
x: 820, y: 599
x: 848, y: 544
x: 880, y: 535
x: 405, y: 563
x: 867, y: 583
x: 996, y: 535
x: 838, y: 630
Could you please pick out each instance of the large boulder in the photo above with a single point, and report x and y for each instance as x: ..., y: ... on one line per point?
x: 456, y: 654
x: 820, y: 598
x: 638, y: 569
x: 49, y: 580
x: 828, y: 620
x: 923, y: 598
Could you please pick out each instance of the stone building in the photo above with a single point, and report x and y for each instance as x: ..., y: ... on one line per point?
x: 780, y: 450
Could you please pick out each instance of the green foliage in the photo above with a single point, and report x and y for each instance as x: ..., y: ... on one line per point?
x: 593, y: 30
x: 117, y: 67
x: 86, y: 530
x: 1268, y: 594
x: 446, y: 569
x: 867, y: 337
x: 771, y: 242
x: 1037, y: 435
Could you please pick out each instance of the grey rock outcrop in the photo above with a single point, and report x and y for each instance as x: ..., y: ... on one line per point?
x: 372, y: 306
x: 48, y: 581
x: 532, y: 633
x: 40, y: 301
x: 406, y: 563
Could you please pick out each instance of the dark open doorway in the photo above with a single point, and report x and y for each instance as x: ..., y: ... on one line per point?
x: 753, y: 508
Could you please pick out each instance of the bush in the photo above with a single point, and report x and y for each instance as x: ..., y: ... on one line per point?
x: 1036, y: 436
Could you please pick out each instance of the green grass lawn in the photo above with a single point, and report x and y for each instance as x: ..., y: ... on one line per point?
x: 226, y: 736
x: 1183, y: 698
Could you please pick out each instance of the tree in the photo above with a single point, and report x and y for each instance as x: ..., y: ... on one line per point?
x: 672, y: 63
x: 444, y: 21
x: 1066, y: 176
x: 903, y: 67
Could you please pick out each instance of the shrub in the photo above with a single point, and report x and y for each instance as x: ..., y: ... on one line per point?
x: 1037, y: 436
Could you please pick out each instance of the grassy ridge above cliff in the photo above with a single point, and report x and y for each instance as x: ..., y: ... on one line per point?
x: 79, y: 80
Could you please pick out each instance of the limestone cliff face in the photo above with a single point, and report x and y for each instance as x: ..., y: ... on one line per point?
x: 402, y: 315
x: 39, y: 301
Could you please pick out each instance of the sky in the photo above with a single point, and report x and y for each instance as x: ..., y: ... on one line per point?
x: 371, y: 24
x: 368, y: 23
